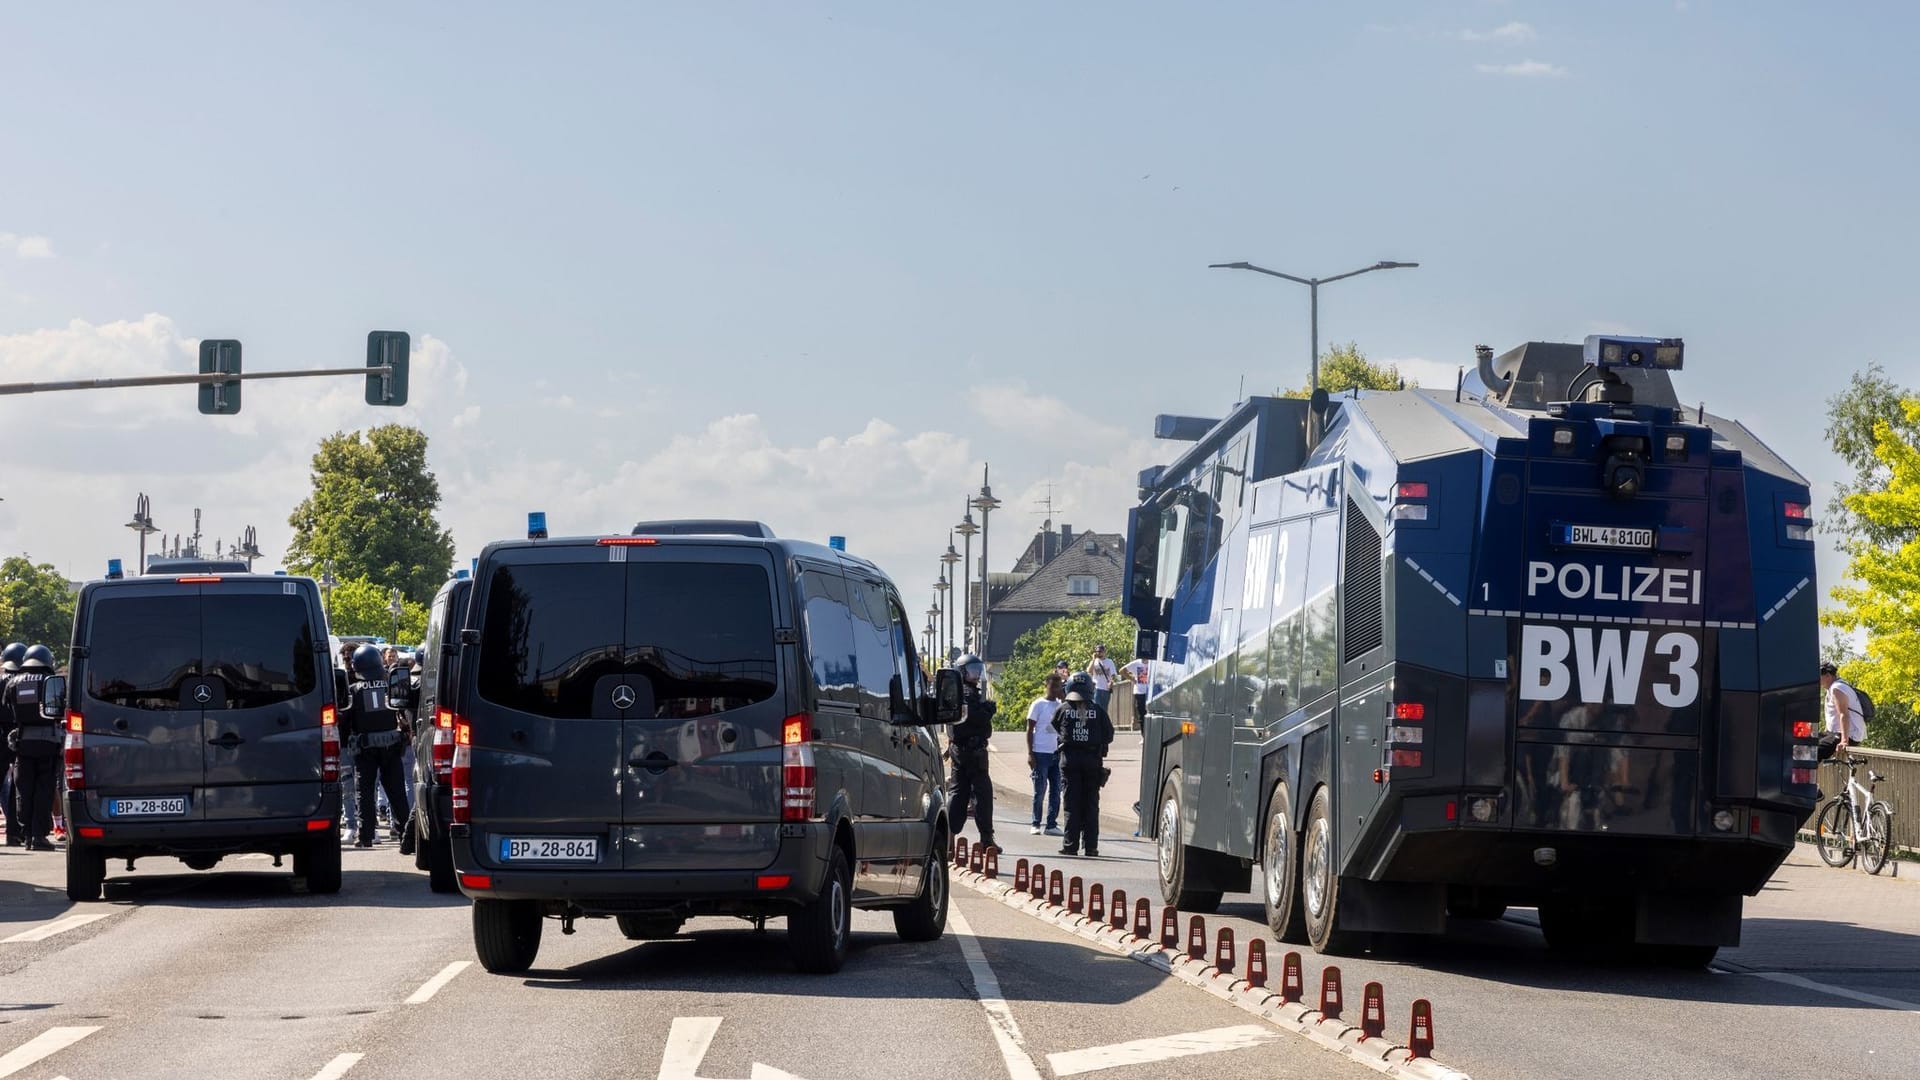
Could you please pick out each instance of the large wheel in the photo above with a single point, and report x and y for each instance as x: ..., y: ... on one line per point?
x: 506, y: 934
x: 926, y: 918
x: 86, y: 870
x: 439, y: 854
x: 649, y: 927
x: 817, y: 934
x: 421, y: 861
x: 1176, y: 888
x: 1830, y: 829
x: 1280, y: 870
x: 1320, y: 882
x: 1877, y: 846
x: 319, y: 864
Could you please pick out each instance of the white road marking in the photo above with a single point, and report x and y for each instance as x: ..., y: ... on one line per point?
x: 58, y: 926
x: 1164, y: 1048
x: 433, y: 985
x: 338, y: 1067
x: 687, y: 1043
x: 1006, y: 1032
x: 1805, y: 983
x: 43, y: 1045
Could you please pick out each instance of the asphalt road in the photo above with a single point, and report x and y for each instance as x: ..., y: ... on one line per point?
x: 239, y: 973
x: 1825, y: 984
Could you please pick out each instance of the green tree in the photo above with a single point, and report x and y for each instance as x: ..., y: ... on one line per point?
x: 358, y: 606
x: 36, y: 605
x: 1881, y: 597
x: 1870, y: 399
x: 1024, y: 676
x: 1345, y: 367
x: 371, y: 513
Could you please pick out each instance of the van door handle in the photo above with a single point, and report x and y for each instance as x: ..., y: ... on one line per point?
x: 227, y: 741
x: 655, y: 762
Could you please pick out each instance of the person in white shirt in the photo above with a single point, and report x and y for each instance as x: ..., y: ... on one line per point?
x: 1043, y: 755
x: 1103, y: 673
x: 1136, y: 673
x: 1844, y: 717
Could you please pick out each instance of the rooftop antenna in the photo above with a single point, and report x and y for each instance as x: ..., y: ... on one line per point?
x: 1240, y: 395
x: 1045, y: 503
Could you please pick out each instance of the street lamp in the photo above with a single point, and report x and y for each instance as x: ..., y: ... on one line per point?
x: 986, y: 504
x: 966, y: 529
x: 1313, y: 288
x: 248, y: 548
x: 940, y: 602
x: 142, y: 523
x: 947, y: 560
x: 327, y: 582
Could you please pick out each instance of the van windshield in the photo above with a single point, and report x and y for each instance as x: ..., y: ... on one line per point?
x: 141, y: 649
x: 699, y: 636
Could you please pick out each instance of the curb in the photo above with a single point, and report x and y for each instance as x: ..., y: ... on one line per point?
x: 1335, y: 1036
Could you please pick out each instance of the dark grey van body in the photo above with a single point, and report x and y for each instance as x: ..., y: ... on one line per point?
x: 432, y: 721
x: 633, y: 693
x: 200, y: 702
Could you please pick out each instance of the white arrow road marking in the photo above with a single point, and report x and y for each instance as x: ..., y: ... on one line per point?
x: 687, y: 1043
x: 1006, y: 1032
x: 1164, y: 1048
x: 338, y: 1067
x: 45, y: 1044
x: 433, y: 985
x: 58, y: 926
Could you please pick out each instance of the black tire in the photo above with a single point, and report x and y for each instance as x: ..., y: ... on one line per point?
x: 817, y: 934
x: 86, y: 871
x: 506, y: 934
x: 1830, y: 833
x: 421, y: 861
x: 1877, y: 846
x: 926, y: 918
x: 649, y: 927
x: 1280, y: 870
x: 1176, y: 888
x: 1320, y: 882
x: 441, y: 877
x: 319, y: 864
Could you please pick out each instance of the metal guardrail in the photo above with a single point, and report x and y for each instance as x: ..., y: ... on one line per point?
x: 1901, y: 788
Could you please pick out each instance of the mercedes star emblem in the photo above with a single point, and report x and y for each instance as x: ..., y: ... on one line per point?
x: 623, y: 697
x: 202, y: 694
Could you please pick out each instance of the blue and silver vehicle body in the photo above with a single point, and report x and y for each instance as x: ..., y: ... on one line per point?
x: 1525, y: 642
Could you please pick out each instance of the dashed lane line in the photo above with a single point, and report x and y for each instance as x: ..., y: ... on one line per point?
x: 58, y: 926
x: 338, y: 1067
x: 433, y: 985
x: 1164, y: 1048
x: 986, y: 986
x: 42, y: 1046
x: 1805, y: 983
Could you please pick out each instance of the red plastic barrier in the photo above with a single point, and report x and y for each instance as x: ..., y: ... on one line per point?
x: 1373, y: 1012
x: 993, y: 864
x: 1119, y: 909
x: 1076, y: 895
x: 1330, y: 993
x: 1223, y: 952
x: 1056, y: 889
x: 1143, y: 919
x: 1293, y: 985
x: 1257, y: 963
x: 1022, y: 876
x: 1169, y: 927
x: 960, y: 852
x: 1038, y: 883
x: 979, y: 857
x: 1097, y: 902
x: 1420, y: 1039
x: 1197, y: 938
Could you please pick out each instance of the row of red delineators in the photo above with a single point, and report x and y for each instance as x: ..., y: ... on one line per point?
x: 1095, y: 904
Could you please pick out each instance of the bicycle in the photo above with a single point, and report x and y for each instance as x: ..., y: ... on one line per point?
x: 1854, y: 823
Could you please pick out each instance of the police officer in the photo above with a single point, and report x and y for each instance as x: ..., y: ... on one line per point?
x: 9, y: 667
x: 37, y: 747
x: 403, y: 694
x: 972, y: 787
x: 376, y: 742
x: 1085, y: 733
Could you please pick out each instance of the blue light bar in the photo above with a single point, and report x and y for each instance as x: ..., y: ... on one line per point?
x: 114, y: 572
x: 537, y: 525
x: 837, y: 543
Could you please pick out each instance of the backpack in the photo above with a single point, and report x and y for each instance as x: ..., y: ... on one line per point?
x: 1866, y: 705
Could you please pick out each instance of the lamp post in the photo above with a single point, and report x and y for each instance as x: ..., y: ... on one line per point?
x: 142, y: 523
x: 966, y: 529
x: 1313, y: 289
x: 248, y: 548
x: 327, y: 582
x: 940, y: 602
x: 933, y: 631
x: 947, y: 559
x: 986, y: 504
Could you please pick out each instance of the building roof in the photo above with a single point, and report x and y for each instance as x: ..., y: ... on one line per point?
x: 1046, y: 589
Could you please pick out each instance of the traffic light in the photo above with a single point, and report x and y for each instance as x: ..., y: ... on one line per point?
x: 388, y: 348
x: 220, y: 398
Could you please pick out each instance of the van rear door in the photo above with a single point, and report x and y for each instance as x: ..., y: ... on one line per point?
x: 261, y: 666
x: 143, y: 730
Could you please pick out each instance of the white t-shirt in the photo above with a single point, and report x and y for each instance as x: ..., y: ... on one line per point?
x: 1040, y: 722
x: 1103, y: 673
x: 1137, y: 672
x: 1856, y: 721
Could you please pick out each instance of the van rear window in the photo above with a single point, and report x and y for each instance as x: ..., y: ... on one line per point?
x: 698, y: 636
x: 141, y: 649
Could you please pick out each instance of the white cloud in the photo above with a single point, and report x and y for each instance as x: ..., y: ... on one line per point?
x: 27, y: 247
x: 1512, y: 33
x: 1525, y: 69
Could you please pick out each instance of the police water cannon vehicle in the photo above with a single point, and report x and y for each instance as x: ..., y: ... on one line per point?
x: 1546, y: 638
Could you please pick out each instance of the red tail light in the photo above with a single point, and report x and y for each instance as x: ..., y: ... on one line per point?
x: 1803, y: 729
x: 196, y: 581
x: 460, y: 773
x: 1406, y: 759
x: 329, y: 745
x: 797, y: 777
x: 627, y: 541
x: 1409, y: 710
x: 1410, y: 489
x: 1795, y: 510
x: 443, y: 721
x: 74, y: 756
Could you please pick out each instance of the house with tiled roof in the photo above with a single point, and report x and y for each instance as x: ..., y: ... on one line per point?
x: 1064, y: 572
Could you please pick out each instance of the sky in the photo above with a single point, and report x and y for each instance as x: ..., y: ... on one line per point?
x: 819, y: 264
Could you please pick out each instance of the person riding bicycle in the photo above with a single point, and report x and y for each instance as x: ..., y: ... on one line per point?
x: 1844, y: 717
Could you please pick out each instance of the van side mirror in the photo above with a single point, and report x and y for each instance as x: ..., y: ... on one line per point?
x: 53, y: 698
x: 946, y: 705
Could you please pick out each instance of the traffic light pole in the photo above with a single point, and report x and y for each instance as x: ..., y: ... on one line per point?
x: 383, y: 371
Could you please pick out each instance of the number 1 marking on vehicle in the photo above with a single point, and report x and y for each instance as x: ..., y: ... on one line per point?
x: 1486, y: 591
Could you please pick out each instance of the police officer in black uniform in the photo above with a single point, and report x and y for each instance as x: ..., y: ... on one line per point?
x: 403, y: 695
x: 37, y: 742
x: 376, y: 741
x: 972, y: 787
x: 1085, y: 733
x: 9, y: 667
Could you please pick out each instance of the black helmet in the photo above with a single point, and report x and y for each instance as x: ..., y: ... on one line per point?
x: 11, y: 655
x: 37, y: 658
x: 971, y: 668
x: 367, y: 665
x: 1080, y: 687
